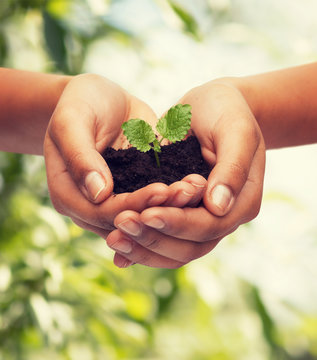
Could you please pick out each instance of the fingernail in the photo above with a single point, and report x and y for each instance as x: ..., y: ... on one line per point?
x: 124, y: 263
x: 122, y: 245
x: 221, y: 196
x: 131, y: 227
x: 155, y: 223
x: 200, y: 186
x: 94, y: 183
x: 182, y: 198
x: 199, y: 182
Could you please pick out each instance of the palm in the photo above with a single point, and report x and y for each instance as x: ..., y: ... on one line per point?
x: 88, y: 119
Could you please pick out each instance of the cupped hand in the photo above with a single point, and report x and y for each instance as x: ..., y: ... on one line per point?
x: 87, y: 119
x: 232, y: 142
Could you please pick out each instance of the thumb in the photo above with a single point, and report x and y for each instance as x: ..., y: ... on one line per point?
x: 235, y: 150
x: 75, y: 142
x: 93, y: 177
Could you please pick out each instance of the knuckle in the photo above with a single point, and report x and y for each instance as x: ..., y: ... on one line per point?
x: 238, y: 171
x: 73, y: 160
x: 151, y: 243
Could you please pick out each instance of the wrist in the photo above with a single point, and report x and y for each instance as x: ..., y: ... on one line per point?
x: 27, y: 100
x: 244, y: 87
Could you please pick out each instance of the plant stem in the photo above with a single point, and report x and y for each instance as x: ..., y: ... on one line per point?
x: 157, y: 158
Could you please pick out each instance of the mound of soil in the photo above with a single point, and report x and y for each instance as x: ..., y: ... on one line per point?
x: 132, y: 169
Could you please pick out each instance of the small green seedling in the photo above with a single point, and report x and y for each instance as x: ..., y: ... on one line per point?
x: 173, y: 126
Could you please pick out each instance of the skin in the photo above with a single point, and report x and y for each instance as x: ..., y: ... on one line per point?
x: 238, y: 156
x: 27, y: 101
x: 78, y: 117
x: 235, y: 120
x: 87, y: 119
x: 227, y: 114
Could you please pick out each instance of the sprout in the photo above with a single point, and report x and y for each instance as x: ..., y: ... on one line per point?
x: 173, y: 126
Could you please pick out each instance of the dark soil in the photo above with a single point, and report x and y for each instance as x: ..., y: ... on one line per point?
x: 132, y: 169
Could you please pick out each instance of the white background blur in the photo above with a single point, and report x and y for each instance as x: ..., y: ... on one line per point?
x: 159, y: 62
x: 278, y: 252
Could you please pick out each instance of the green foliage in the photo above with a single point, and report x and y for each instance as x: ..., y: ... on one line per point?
x: 189, y: 22
x: 269, y: 328
x: 139, y: 133
x: 55, y: 35
x: 173, y: 126
x: 61, y: 298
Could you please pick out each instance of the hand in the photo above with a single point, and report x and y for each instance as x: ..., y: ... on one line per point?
x: 86, y: 120
x: 231, y: 141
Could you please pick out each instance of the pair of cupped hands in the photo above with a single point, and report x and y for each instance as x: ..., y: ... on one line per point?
x: 158, y: 225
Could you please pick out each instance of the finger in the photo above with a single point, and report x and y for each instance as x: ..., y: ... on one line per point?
x: 194, y: 224
x: 198, y: 224
x: 121, y: 261
x: 250, y: 197
x: 235, y: 151
x: 153, y: 240
x: 200, y: 185
x: 103, y: 233
x: 75, y: 141
x: 186, y: 192
x: 139, y: 255
x: 68, y: 200
x: 144, y: 256
x: 180, y: 194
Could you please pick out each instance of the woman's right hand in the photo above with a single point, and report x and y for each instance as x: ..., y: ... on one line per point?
x: 232, y: 142
x: 87, y: 119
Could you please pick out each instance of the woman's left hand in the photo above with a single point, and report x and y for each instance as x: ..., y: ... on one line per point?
x: 171, y: 235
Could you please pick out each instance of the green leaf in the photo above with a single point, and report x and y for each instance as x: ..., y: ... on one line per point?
x: 139, y: 133
x: 175, y: 124
x: 54, y: 35
x: 189, y: 22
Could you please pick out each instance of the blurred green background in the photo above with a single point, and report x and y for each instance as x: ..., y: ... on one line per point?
x: 255, y: 296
